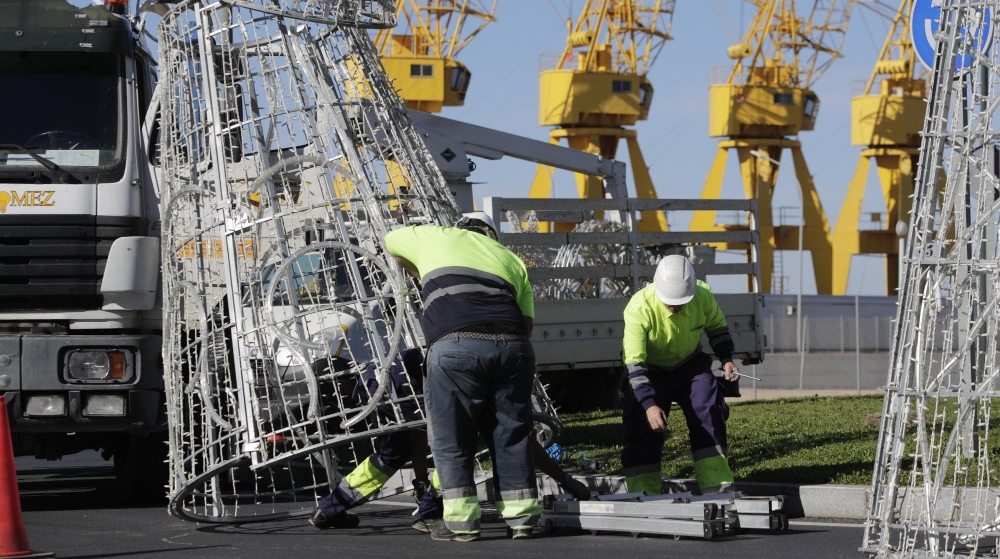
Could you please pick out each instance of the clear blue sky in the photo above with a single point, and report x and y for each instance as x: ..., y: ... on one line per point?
x: 504, y: 95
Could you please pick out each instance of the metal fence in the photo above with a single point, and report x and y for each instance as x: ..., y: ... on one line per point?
x: 829, y: 333
x: 825, y: 334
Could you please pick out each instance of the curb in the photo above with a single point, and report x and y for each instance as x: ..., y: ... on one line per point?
x: 816, y: 501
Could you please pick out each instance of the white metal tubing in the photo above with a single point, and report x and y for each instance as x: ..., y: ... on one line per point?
x: 932, y: 489
x: 287, y: 157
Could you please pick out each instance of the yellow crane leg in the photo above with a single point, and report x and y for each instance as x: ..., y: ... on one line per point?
x: 895, y: 173
x: 759, y: 172
x: 817, y: 227
x: 889, y: 179
x: 704, y: 220
x: 649, y: 221
x: 603, y: 142
x: 541, y: 186
x: 759, y: 176
x: 846, y: 235
x: 397, y: 182
x: 587, y: 186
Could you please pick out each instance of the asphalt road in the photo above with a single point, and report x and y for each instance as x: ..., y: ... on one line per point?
x: 69, y: 509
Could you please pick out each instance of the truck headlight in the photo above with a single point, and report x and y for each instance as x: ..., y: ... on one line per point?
x: 96, y: 365
x: 103, y: 404
x: 50, y: 405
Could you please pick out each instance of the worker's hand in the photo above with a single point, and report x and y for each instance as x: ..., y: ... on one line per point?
x: 408, y: 266
x: 575, y: 488
x: 730, y: 371
x: 657, y: 419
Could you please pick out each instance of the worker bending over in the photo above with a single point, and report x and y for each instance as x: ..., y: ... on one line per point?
x: 662, y: 350
x: 478, y: 314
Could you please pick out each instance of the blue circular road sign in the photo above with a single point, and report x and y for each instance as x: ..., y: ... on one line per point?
x: 924, y: 22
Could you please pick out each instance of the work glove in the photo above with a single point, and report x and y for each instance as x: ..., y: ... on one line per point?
x: 575, y: 488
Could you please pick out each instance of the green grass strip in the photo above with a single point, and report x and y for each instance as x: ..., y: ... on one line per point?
x: 802, y: 440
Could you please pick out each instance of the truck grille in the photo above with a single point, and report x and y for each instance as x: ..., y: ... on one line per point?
x: 57, y: 262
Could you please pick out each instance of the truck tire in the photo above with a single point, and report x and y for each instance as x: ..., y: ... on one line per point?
x: 141, y: 471
x: 581, y: 390
x: 604, y: 391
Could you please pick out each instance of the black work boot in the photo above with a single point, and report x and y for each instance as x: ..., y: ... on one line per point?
x: 519, y: 533
x: 422, y: 524
x: 339, y: 520
x: 441, y: 533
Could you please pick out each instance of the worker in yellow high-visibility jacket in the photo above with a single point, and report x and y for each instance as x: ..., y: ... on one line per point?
x: 662, y: 350
x: 477, y: 318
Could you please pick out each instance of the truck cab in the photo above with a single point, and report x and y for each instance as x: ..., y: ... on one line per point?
x: 80, y: 336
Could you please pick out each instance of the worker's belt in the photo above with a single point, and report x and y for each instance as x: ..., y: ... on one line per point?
x: 485, y: 336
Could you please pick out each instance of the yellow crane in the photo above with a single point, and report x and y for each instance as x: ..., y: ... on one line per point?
x: 419, y: 53
x: 886, y: 119
x: 597, y: 86
x: 759, y: 104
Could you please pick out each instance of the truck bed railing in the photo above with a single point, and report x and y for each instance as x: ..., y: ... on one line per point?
x: 580, y: 298
x: 627, y: 210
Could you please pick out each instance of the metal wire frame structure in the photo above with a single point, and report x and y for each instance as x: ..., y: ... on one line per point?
x: 286, y: 157
x: 370, y: 14
x: 933, y: 492
x: 569, y: 256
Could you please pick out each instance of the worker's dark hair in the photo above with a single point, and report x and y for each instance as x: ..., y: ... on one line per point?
x: 477, y: 226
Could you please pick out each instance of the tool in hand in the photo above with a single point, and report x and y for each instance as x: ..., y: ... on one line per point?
x: 742, y: 375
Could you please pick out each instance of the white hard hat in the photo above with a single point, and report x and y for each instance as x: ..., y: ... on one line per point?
x: 470, y: 219
x: 674, y: 280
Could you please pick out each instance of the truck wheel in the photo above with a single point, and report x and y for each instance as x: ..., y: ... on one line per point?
x: 602, y: 390
x: 141, y: 470
x: 585, y: 389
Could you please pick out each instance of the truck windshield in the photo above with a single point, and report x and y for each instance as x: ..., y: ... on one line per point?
x: 311, y: 274
x: 67, y: 107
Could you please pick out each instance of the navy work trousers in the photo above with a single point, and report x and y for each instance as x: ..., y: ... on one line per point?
x: 475, y: 387
x: 701, y: 398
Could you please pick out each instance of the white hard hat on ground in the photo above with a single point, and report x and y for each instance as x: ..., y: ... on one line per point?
x: 473, y: 219
x: 674, y: 280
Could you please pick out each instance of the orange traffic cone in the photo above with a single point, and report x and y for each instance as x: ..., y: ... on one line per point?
x: 13, y: 538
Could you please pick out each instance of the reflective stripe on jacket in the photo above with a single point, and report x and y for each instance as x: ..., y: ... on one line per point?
x: 660, y: 339
x: 468, y: 279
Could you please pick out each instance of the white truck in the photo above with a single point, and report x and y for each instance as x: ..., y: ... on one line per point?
x: 79, y: 241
